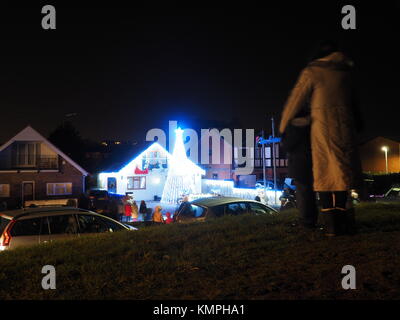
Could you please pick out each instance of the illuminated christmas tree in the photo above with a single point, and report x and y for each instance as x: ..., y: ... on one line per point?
x: 184, y: 177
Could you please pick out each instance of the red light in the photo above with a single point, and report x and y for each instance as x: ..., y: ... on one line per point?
x: 6, y: 237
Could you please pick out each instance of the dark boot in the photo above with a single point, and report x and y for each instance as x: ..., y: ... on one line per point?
x: 333, y: 222
x: 348, y: 222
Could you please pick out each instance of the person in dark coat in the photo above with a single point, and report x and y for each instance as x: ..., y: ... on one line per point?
x: 296, y: 142
x: 143, y: 209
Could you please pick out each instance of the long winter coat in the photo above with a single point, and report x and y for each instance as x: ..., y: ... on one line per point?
x: 326, y: 85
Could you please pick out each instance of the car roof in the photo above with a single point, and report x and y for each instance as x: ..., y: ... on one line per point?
x: 39, y: 211
x: 216, y: 201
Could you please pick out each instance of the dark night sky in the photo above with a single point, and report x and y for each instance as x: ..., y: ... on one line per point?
x: 125, y: 70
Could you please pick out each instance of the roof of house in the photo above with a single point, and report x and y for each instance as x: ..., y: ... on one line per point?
x: 392, y: 139
x: 30, y: 134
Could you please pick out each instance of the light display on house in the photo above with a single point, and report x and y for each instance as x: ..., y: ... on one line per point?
x: 155, y: 173
x: 184, y: 177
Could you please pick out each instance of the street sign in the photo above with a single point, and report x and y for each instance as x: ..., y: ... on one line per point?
x: 270, y: 140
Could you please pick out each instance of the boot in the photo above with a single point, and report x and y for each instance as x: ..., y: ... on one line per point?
x: 333, y: 222
x: 348, y: 222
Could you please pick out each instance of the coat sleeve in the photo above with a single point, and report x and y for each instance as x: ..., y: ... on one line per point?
x: 297, y: 98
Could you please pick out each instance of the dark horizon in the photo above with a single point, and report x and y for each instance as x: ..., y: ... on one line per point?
x: 127, y: 70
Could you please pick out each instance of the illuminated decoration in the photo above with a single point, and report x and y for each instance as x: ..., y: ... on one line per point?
x: 152, y: 164
x: 184, y: 177
x: 156, y: 180
x: 138, y: 171
x: 152, y: 168
x: 226, y: 188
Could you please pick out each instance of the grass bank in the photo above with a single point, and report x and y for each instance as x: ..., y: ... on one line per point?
x: 241, y: 257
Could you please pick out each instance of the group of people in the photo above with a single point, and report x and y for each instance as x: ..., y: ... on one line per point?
x: 319, y: 124
x: 128, y: 211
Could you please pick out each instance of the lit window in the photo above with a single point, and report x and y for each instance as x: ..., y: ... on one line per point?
x: 58, y: 189
x: 267, y: 152
x: 25, y: 154
x: 4, y: 190
x: 136, y: 183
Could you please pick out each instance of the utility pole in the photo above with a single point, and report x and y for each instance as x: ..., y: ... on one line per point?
x: 273, y: 154
x: 273, y: 151
x: 270, y: 141
x: 263, y: 162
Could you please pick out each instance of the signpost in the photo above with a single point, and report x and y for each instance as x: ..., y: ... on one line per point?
x: 271, y: 140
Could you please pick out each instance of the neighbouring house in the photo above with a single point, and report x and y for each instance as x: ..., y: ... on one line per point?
x: 377, y: 152
x: 32, y: 168
x: 225, y: 165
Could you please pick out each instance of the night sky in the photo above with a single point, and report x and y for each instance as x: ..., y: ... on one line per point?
x: 125, y: 70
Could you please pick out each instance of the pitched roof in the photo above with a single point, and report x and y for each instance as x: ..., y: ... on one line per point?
x: 30, y: 134
x: 391, y: 139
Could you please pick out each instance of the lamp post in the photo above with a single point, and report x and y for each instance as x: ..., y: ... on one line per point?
x: 385, y: 149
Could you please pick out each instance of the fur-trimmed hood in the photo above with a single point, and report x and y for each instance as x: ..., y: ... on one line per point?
x: 336, y: 60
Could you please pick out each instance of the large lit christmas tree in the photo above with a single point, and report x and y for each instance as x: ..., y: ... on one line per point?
x: 184, y: 177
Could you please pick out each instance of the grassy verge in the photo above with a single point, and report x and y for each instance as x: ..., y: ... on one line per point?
x: 241, y: 257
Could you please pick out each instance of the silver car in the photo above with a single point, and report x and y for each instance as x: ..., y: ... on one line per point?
x: 205, y: 208
x: 42, y: 225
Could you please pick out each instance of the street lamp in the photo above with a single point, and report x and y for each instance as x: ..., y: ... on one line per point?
x: 385, y: 149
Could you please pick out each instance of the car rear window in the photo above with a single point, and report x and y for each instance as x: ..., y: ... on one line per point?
x: 26, y: 227
x: 192, y: 211
x: 259, y: 208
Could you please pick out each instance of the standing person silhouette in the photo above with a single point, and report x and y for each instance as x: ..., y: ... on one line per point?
x: 321, y: 108
x: 143, y: 209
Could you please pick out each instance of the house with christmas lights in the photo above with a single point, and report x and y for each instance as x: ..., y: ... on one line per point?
x: 156, y: 174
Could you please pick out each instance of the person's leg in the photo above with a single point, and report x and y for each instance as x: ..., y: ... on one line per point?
x: 328, y: 212
x: 333, y: 211
x: 306, y: 203
x: 345, y: 213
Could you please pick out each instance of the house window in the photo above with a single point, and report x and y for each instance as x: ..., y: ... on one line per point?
x: 267, y: 152
x: 58, y: 189
x: 4, y: 190
x: 137, y: 183
x: 26, y: 154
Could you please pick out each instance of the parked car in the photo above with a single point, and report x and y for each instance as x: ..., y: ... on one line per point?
x: 392, y: 195
x: 45, y: 224
x: 99, y: 200
x: 260, y: 184
x: 205, y: 208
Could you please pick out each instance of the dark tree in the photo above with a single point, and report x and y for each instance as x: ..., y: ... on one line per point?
x: 68, y: 139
